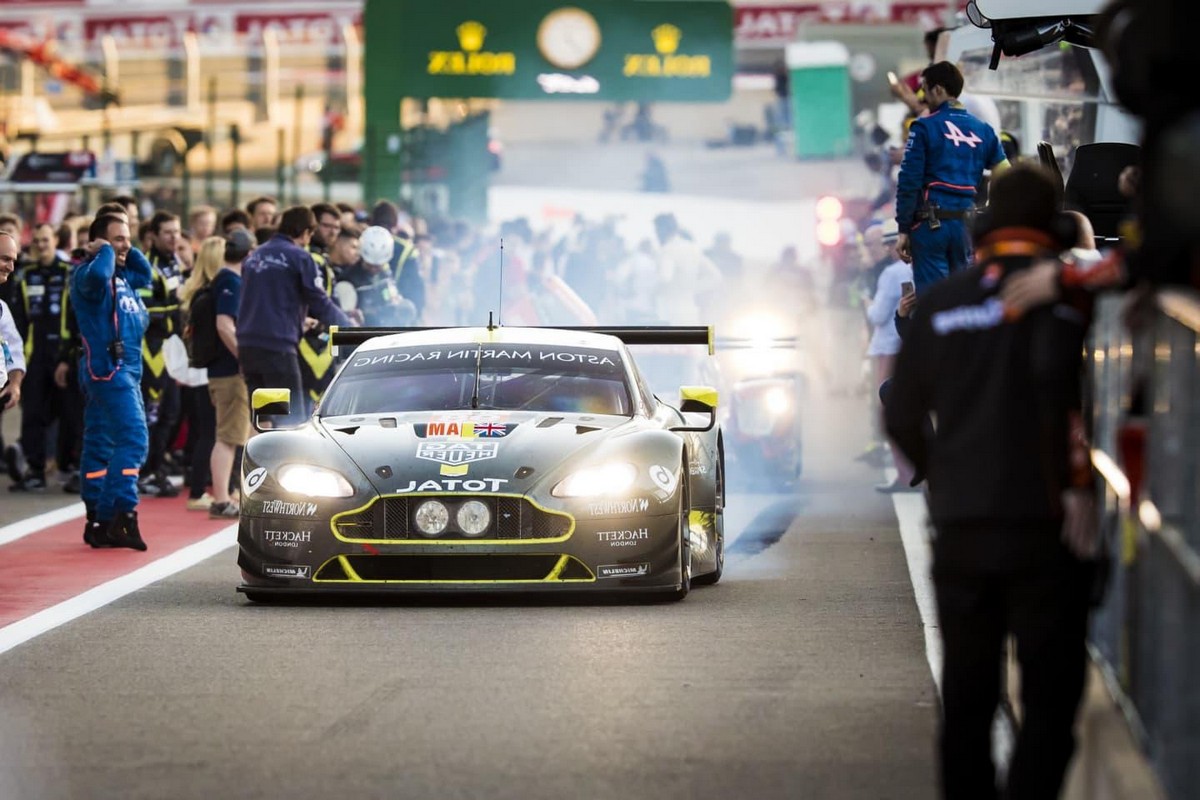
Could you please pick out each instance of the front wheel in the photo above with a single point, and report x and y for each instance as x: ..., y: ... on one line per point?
x: 685, y: 540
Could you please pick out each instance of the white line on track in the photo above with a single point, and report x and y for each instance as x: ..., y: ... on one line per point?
x: 913, y: 517
x: 44, y: 621
x: 22, y: 528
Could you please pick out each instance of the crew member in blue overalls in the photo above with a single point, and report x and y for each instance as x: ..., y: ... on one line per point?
x: 112, y: 321
x: 944, y: 160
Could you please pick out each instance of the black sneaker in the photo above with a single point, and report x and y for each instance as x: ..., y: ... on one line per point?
x: 123, y: 531
x: 30, y: 483
x: 224, y: 511
x: 157, y: 486
x: 14, y: 462
x: 73, y: 484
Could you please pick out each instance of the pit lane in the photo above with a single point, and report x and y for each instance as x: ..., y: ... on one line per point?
x: 802, y: 674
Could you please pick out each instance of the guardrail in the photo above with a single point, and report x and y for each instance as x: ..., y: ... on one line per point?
x: 1146, y: 389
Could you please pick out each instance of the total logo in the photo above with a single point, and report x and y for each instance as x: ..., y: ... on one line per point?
x: 454, y: 485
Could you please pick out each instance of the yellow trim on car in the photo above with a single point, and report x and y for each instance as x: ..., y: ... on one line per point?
x: 703, y: 394
x: 333, y: 523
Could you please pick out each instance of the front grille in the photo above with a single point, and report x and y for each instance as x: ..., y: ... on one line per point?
x: 493, y: 569
x: 390, y: 519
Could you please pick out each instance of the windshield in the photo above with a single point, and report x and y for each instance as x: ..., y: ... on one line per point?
x: 511, y: 377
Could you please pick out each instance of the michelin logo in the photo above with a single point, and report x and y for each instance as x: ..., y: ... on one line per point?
x: 300, y: 571
x: 623, y: 571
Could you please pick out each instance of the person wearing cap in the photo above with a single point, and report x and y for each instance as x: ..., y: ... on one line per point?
x: 281, y: 290
x: 226, y: 387
x: 944, y: 160
x: 375, y: 293
x: 1010, y: 490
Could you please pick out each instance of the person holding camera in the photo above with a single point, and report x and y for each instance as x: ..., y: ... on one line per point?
x: 112, y: 321
x: 944, y: 160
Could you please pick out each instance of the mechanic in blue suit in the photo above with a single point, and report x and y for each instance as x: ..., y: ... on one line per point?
x: 112, y: 321
x: 944, y: 160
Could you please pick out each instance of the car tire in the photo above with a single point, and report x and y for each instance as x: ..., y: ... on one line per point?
x: 685, y: 541
x: 710, y: 578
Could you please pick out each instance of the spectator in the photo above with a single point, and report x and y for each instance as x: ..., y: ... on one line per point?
x: 944, y: 161
x: 160, y: 392
x: 343, y: 254
x: 202, y: 223
x: 12, y: 349
x: 376, y: 295
x: 1009, y: 493
x: 329, y: 223
x: 686, y: 275
x: 112, y: 322
x: 262, y: 212
x: 132, y: 211
x: 281, y: 288
x: 233, y: 219
x: 39, y: 299
x: 722, y: 254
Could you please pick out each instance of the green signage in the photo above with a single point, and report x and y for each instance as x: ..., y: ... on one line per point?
x: 641, y: 50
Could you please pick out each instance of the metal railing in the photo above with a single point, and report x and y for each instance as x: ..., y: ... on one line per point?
x: 1146, y: 423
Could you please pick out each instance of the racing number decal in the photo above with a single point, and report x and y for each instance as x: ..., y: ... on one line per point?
x: 663, y: 478
x: 254, y: 480
x: 958, y: 137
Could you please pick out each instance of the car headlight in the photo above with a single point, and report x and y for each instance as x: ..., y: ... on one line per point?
x: 777, y: 401
x: 313, y: 481
x: 473, y: 518
x: 432, y: 517
x: 598, y: 481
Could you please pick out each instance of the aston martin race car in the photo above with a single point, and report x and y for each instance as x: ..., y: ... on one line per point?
x: 486, y: 459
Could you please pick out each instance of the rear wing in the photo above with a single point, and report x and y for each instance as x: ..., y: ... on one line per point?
x: 648, y: 334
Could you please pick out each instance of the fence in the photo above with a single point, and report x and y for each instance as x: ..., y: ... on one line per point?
x: 1146, y: 407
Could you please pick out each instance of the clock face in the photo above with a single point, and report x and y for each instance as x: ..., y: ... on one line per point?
x: 568, y: 37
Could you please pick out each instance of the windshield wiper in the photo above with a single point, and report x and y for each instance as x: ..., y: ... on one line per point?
x: 478, y: 369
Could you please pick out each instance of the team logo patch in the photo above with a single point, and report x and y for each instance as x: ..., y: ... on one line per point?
x: 456, y: 457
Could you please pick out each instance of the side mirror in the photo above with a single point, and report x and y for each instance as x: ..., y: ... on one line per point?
x: 698, y: 400
x: 268, y: 403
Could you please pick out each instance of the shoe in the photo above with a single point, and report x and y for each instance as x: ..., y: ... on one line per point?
x: 72, y: 485
x: 224, y: 511
x: 123, y: 531
x: 95, y: 533
x: 14, y: 462
x: 201, y: 503
x: 157, y: 486
x: 895, y: 487
x: 30, y: 483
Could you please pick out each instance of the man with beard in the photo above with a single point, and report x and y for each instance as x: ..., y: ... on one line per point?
x: 112, y: 321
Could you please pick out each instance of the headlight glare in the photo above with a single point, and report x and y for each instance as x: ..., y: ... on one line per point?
x: 606, y: 479
x: 777, y: 401
x: 432, y: 517
x: 473, y: 518
x: 311, y: 481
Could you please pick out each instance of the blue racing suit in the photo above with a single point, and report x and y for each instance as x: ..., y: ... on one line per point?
x: 107, y: 307
x: 944, y: 161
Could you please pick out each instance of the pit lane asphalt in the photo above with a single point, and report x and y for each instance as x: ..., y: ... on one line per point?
x: 801, y: 675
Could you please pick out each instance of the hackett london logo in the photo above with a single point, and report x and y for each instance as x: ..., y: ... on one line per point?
x: 666, y: 61
x: 471, y: 59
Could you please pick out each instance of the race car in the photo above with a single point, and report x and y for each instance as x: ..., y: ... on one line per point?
x: 486, y: 459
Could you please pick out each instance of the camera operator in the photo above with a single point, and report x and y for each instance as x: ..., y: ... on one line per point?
x: 1009, y: 491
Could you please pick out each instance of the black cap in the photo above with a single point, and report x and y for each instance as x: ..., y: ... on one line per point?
x: 238, y: 245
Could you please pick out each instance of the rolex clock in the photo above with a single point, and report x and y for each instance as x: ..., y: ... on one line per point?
x: 568, y: 37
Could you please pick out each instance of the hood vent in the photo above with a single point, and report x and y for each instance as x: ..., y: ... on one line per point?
x: 549, y: 422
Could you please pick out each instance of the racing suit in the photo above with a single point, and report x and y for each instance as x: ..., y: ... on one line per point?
x: 944, y: 161
x: 316, y: 356
x: 109, y: 310
x: 160, y: 393
x: 38, y: 314
x: 1008, y: 445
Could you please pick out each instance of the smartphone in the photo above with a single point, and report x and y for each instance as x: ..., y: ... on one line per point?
x: 907, y: 288
x: 892, y: 79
